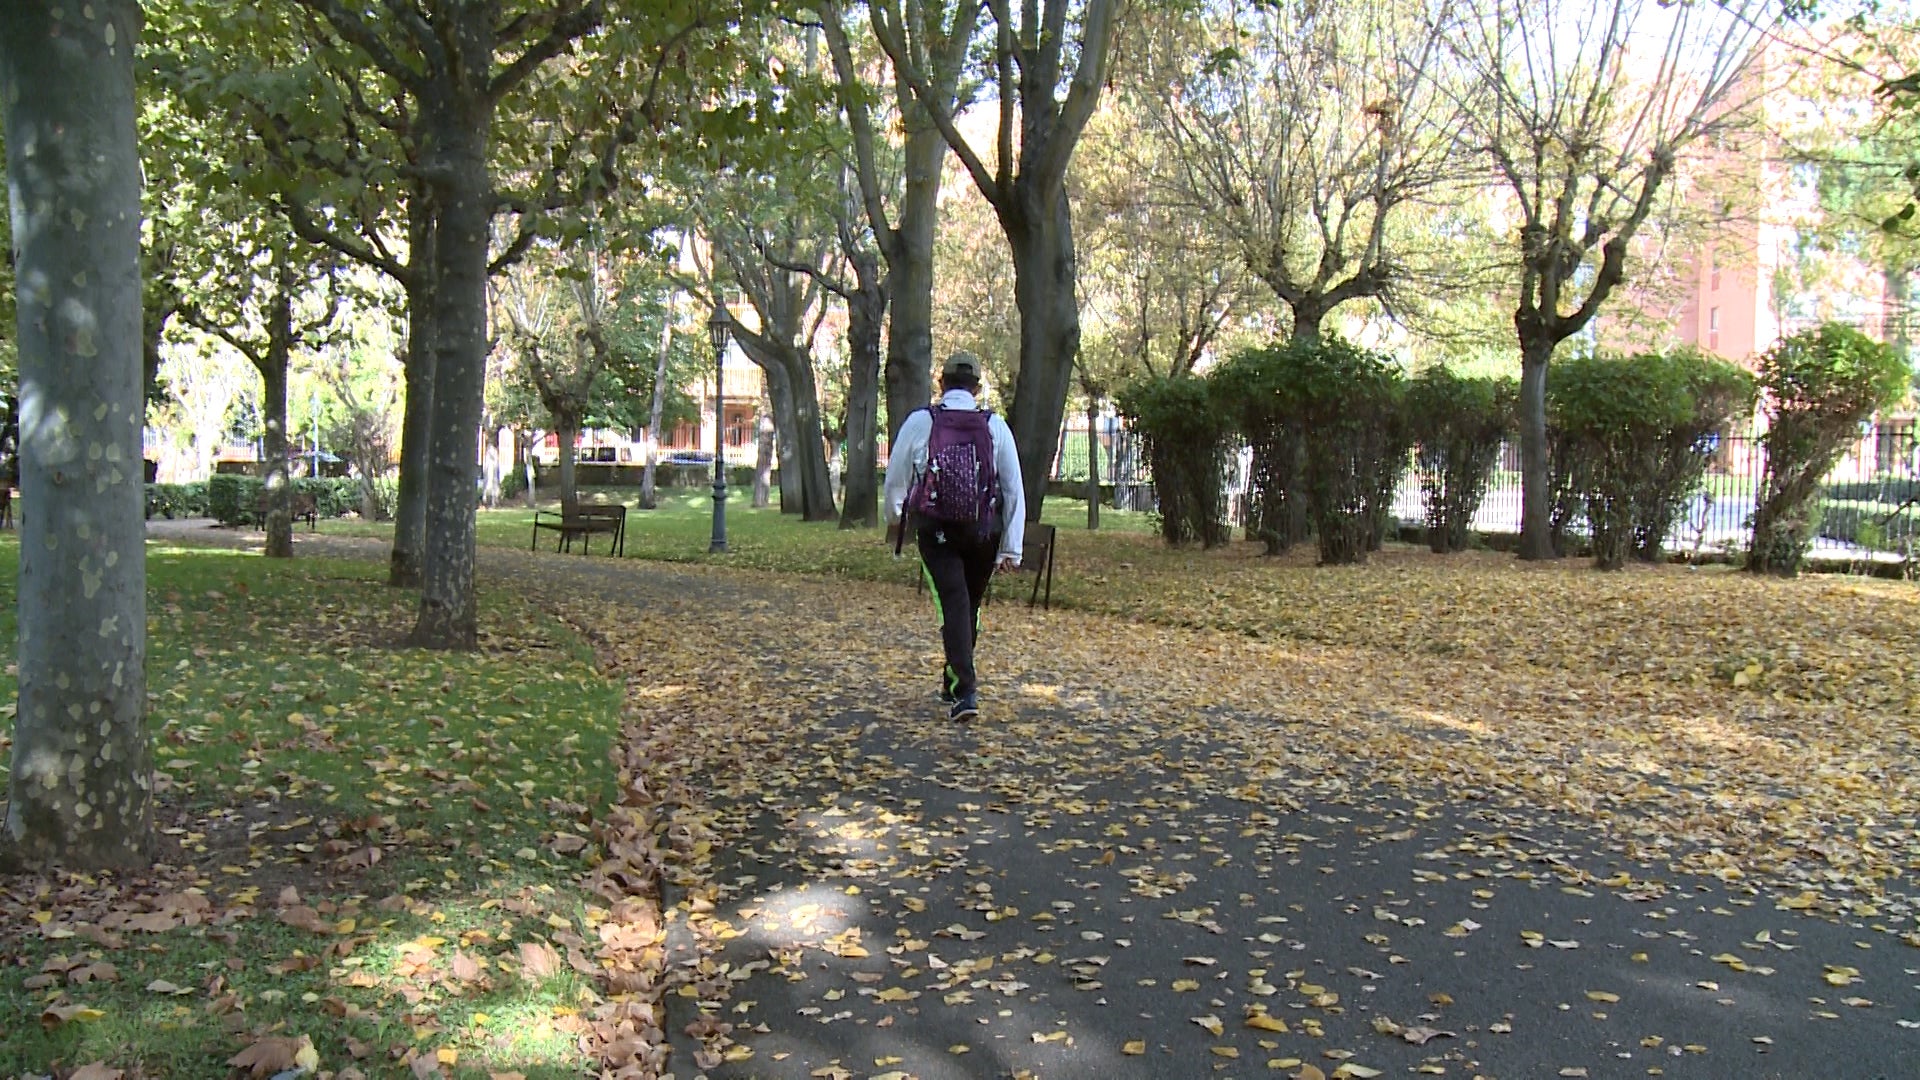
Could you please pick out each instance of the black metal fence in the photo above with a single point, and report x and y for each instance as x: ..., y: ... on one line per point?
x: 1870, y: 504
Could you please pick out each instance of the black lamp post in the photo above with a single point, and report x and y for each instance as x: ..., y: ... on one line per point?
x: 719, y: 328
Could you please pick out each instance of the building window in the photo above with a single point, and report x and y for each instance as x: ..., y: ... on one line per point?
x: 1713, y: 328
x: 1713, y: 270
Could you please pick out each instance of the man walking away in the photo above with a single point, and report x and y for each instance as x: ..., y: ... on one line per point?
x: 954, y: 475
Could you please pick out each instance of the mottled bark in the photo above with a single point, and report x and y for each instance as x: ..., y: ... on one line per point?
x: 1536, y: 528
x: 780, y: 393
x: 649, y: 496
x: 416, y: 420
x: 458, y: 130
x: 81, y: 778
x: 273, y: 410
x: 1093, y: 462
x: 866, y: 307
x: 568, y: 429
x: 1041, y: 236
x: 909, y: 372
x: 806, y: 485
x: 763, y: 454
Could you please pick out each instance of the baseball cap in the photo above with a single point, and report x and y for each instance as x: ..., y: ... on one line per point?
x: 962, y: 364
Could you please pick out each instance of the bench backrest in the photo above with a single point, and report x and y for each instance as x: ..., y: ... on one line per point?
x: 1035, y: 547
x: 303, y: 501
x: 595, y: 510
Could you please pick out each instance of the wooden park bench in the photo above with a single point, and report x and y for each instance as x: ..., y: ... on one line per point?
x: 305, y: 507
x: 584, y: 522
x: 1036, y: 558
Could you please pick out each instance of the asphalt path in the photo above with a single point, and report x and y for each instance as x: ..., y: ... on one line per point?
x: 1003, y: 937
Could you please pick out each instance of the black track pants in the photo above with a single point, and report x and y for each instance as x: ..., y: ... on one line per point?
x: 958, y: 570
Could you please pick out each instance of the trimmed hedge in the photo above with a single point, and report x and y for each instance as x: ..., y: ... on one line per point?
x: 1821, y: 385
x: 1186, y: 443
x: 177, y: 500
x: 231, y: 497
x: 234, y: 500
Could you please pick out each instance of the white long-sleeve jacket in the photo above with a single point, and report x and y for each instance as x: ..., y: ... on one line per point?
x: 909, y: 459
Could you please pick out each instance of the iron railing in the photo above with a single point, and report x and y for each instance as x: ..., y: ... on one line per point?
x: 1870, y: 501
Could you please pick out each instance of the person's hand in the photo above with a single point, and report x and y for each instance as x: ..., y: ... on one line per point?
x: 1006, y: 564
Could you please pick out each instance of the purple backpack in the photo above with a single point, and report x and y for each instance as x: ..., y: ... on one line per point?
x: 959, y: 486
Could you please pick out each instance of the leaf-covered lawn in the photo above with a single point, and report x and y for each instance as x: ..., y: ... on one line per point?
x: 369, y: 854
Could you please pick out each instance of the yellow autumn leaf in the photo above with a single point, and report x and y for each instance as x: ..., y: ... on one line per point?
x: 1211, y: 1023
x: 1263, y: 1022
x: 1602, y: 995
x: 1185, y: 985
x: 1134, y: 1047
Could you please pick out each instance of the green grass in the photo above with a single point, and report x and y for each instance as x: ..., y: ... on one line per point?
x: 681, y: 527
x: 292, y: 739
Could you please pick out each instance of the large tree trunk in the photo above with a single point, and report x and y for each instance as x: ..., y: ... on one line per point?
x: 909, y: 373
x: 81, y: 781
x: 1043, y: 286
x: 569, y: 433
x: 1536, y: 529
x: 649, y: 497
x: 763, y: 454
x: 860, y: 494
x: 785, y: 428
x: 1093, y: 462
x: 458, y: 135
x: 523, y: 447
x: 810, y: 453
x: 416, y: 421
x: 273, y: 410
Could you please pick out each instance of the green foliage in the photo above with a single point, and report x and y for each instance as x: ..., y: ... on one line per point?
x: 234, y: 499
x: 1458, y: 425
x: 177, y: 500
x: 1346, y: 407
x: 231, y: 497
x: 1722, y: 394
x: 1821, y: 385
x: 1259, y: 386
x: 1633, y: 436
x: 1180, y: 419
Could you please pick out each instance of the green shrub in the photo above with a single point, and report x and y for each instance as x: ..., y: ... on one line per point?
x: 1721, y: 393
x: 177, y: 500
x: 1256, y: 387
x: 1350, y: 406
x: 1634, y: 434
x: 1821, y: 385
x: 1186, y: 443
x: 231, y: 498
x: 1457, y: 426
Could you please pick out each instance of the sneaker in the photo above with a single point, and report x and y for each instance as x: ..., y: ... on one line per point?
x: 946, y: 694
x: 965, y: 708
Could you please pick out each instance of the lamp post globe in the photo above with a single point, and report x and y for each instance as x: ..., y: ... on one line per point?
x: 719, y: 330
